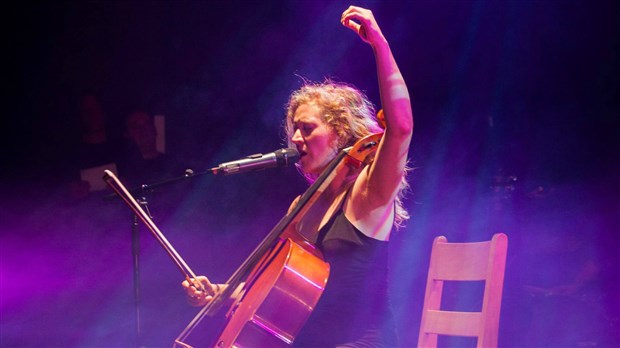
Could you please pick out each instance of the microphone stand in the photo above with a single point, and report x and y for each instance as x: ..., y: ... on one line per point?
x: 135, y: 253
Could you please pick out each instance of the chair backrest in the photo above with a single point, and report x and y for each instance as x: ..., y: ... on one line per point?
x: 464, y: 262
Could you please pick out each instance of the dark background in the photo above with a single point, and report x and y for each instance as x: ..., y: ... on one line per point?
x: 501, y: 90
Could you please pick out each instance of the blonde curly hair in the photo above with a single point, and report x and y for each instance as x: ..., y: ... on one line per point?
x: 349, y: 114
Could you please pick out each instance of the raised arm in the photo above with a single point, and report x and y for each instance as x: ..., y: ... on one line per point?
x: 383, y: 181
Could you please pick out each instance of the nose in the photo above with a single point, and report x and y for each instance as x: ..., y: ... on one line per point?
x: 297, y: 139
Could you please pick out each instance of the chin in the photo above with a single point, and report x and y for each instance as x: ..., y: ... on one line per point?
x: 309, y: 175
x: 310, y: 172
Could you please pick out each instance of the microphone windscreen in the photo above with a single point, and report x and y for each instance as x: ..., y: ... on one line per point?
x: 287, y: 156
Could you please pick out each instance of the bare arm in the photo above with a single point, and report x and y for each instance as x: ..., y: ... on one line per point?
x: 384, y: 177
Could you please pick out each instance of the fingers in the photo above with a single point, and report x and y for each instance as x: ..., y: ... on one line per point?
x: 347, y: 18
x: 361, y: 21
x: 199, y: 290
x: 203, y: 282
x: 191, y: 290
x: 360, y: 14
x: 354, y: 10
x: 199, y: 286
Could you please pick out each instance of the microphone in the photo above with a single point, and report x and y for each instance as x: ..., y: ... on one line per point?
x: 279, y: 158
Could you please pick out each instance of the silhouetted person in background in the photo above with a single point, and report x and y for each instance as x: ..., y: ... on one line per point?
x: 143, y: 162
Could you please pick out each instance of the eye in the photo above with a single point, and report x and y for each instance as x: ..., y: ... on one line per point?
x: 305, y: 128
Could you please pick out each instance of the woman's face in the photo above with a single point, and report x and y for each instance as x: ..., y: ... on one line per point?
x: 315, y: 141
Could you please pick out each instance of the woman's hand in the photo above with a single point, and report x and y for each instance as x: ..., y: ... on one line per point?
x: 196, y: 296
x: 363, y: 22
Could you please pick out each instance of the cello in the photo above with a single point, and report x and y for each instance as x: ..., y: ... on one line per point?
x: 281, y: 281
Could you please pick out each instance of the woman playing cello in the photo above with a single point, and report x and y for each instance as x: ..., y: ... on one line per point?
x: 321, y: 120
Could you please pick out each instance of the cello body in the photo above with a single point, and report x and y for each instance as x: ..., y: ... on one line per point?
x: 279, y: 300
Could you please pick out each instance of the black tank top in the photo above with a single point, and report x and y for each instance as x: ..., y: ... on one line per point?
x: 354, y: 310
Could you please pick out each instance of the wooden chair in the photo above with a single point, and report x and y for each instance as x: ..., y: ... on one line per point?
x: 464, y: 262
